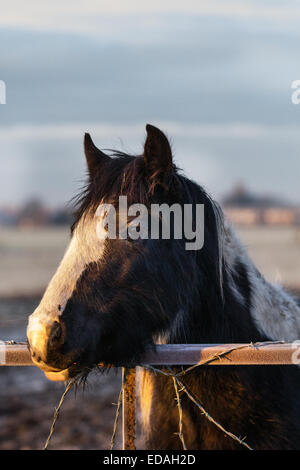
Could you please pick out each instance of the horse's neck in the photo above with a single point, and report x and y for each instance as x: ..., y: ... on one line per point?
x: 253, y: 310
x: 273, y: 311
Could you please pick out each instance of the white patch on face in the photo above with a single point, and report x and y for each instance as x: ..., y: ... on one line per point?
x: 84, y: 248
x: 274, y: 311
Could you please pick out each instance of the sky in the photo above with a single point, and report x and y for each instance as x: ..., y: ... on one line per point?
x: 214, y: 75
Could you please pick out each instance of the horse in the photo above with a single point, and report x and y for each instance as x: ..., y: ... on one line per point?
x: 111, y: 299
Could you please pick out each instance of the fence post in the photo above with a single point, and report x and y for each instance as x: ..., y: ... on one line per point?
x: 129, y: 408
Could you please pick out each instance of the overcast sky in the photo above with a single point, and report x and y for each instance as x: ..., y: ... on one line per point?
x: 215, y: 75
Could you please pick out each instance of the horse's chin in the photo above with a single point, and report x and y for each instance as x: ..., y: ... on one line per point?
x: 60, y: 376
x: 75, y: 370
x: 71, y: 370
x: 57, y: 375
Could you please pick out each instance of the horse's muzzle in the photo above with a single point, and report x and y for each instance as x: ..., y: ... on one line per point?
x: 46, y: 342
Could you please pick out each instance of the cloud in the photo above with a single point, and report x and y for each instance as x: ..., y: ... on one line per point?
x: 91, y: 17
x: 215, y: 75
x: 210, y: 72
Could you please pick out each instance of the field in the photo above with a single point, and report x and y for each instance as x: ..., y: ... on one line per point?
x: 276, y: 252
x: 28, y: 259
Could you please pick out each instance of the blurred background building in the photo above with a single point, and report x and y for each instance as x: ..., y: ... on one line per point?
x: 215, y: 75
x: 248, y: 209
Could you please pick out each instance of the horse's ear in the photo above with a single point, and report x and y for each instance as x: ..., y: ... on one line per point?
x: 157, y: 155
x: 94, y: 156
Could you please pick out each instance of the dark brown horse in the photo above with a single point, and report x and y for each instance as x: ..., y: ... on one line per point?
x: 111, y: 298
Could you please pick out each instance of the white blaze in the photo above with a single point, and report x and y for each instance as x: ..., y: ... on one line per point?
x: 84, y: 248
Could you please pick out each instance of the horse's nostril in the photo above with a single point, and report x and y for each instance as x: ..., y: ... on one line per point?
x: 56, y: 333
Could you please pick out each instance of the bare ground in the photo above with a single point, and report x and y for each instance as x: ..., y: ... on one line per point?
x: 85, y: 421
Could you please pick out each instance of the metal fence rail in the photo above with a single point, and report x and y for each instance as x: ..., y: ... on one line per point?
x: 17, y: 354
x: 269, y: 353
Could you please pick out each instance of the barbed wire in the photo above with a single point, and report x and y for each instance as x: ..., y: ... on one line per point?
x: 190, y: 395
x: 179, y: 387
x: 208, y: 416
x: 57, y: 410
x: 113, y: 437
x: 180, y: 413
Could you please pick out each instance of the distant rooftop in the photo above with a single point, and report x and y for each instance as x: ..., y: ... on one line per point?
x: 240, y: 196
